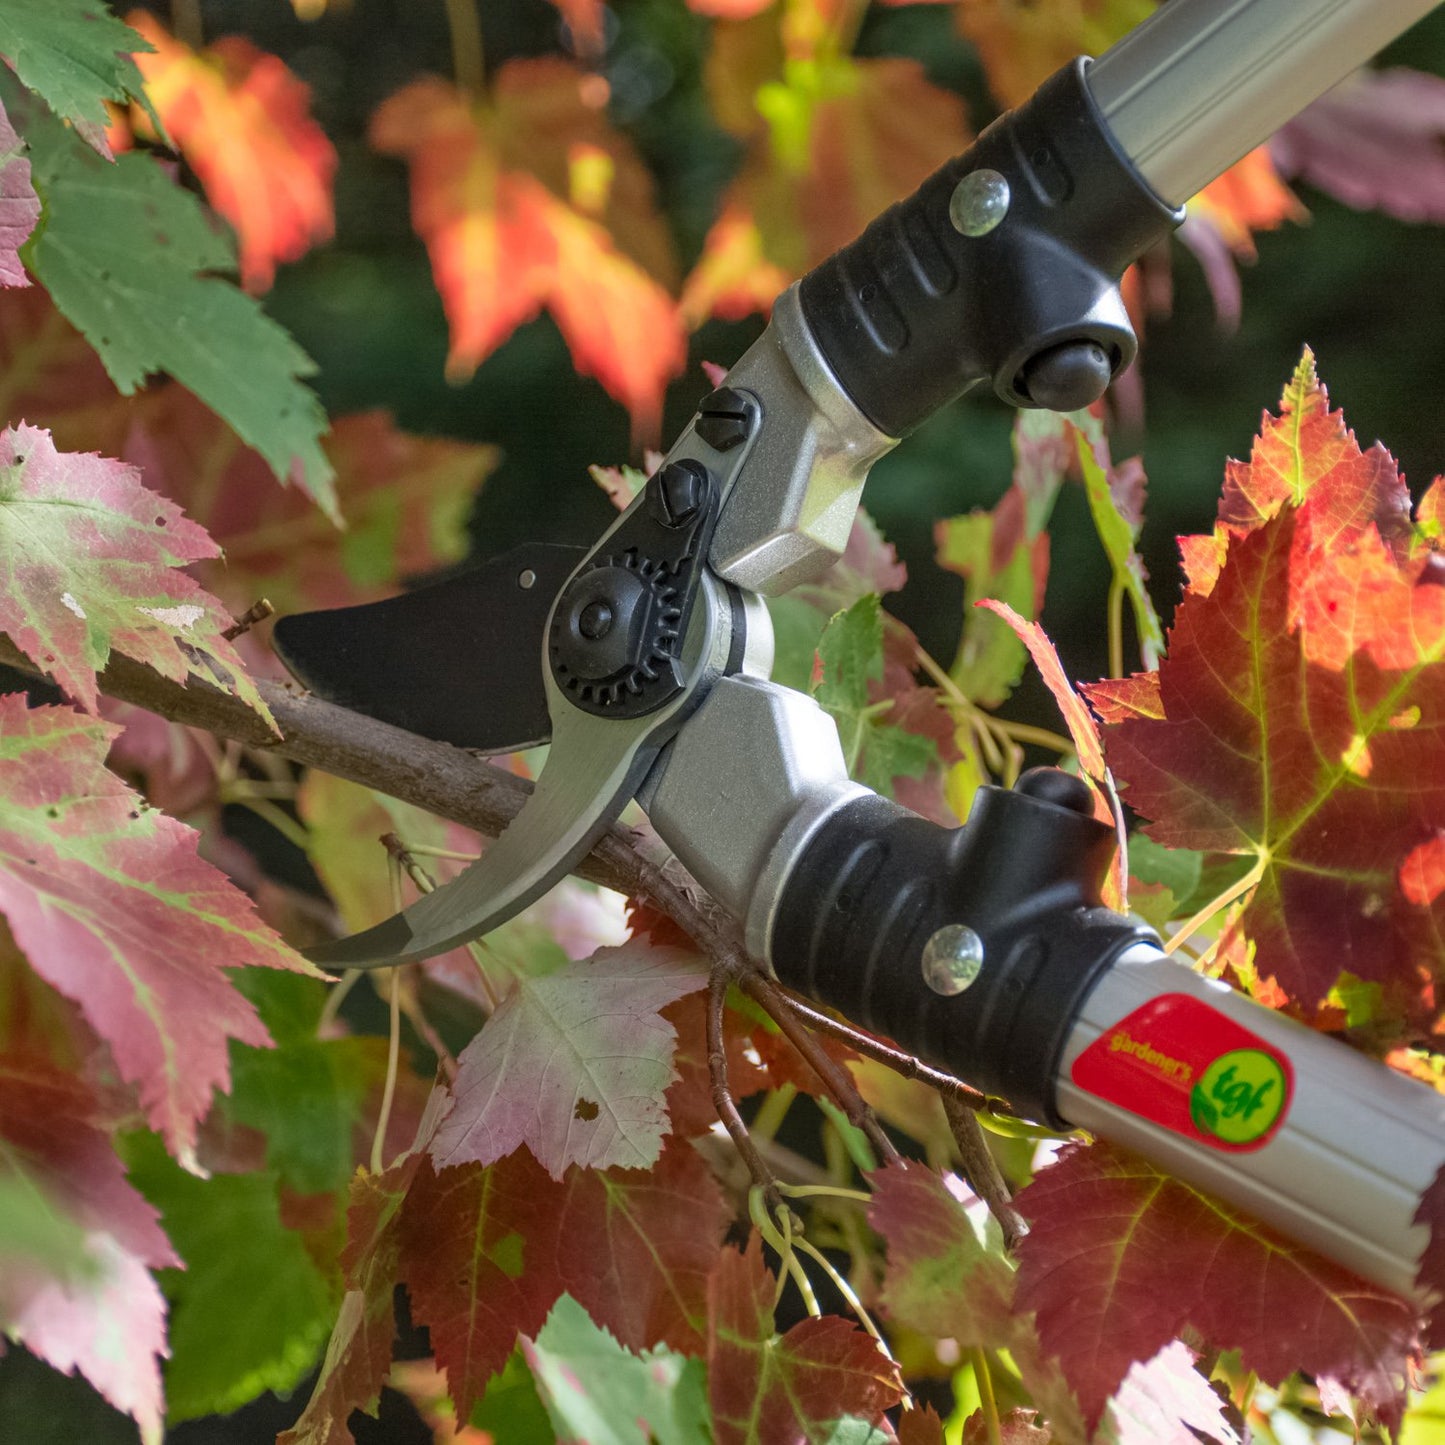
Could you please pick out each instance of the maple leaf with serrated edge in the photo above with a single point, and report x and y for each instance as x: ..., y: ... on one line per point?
x: 113, y: 907
x: 574, y: 1065
x: 129, y: 258
x: 1120, y: 1259
x: 358, y: 1355
x: 88, y: 562
x: 241, y: 120
x: 850, y: 655
x: 509, y: 228
x: 594, y: 1390
x: 1166, y: 1401
x: 487, y: 1249
x: 19, y: 205
x: 103, y: 1315
x: 766, y: 1390
x: 75, y: 56
x: 1314, y: 744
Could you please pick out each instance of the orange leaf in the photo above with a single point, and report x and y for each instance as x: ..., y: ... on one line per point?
x: 833, y: 142
x: 1248, y: 197
x: 1422, y: 874
x: 1022, y: 42
x: 492, y: 197
x: 733, y: 278
x: 240, y: 119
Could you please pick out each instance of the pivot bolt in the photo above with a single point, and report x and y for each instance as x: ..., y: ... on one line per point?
x: 596, y: 621
x: 952, y: 959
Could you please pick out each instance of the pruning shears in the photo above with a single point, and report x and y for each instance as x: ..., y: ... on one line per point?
x: 645, y: 661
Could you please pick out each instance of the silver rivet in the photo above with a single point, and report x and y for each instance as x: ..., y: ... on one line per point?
x: 979, y: 202
x: 952, y: 959
x: 527, y: 579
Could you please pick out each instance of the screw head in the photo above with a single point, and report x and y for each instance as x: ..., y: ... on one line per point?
x: 596, y: 621
x: 952, y: 959
x: 979, y: 202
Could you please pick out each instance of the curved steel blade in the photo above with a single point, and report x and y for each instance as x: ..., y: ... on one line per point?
x: 594, y: 768
x: 456, y: 661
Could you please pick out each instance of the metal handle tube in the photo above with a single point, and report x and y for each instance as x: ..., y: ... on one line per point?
x: 1202, y: 82
x: 1353, y: 1152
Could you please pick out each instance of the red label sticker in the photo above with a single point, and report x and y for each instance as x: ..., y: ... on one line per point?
x: 1183, y: 1065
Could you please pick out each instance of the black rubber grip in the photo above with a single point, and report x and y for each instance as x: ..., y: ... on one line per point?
x: 913, y: 313
x: 878, y: 882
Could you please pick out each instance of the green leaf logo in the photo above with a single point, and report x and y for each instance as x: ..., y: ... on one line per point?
x: 1240, y: 1096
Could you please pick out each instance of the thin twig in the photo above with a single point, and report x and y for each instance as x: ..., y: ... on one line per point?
x: 763, y: 991
x: 981, y: 1169
x: 722, y: 1096
x: 900, y: 1062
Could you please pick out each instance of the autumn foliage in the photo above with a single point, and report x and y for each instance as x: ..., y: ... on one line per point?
x: 523, y: 1156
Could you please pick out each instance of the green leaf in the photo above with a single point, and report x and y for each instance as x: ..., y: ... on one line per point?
x: 596, y: 1391
x: 75, y: 55
x: 306, y: 1096
x: 1424, y: 1422
x: 251, y: 1311
x: 512, y: 1410
x: 126, y: 255
x: 1118, y: 536
x: 850, y: 653
x: 1178, y: 869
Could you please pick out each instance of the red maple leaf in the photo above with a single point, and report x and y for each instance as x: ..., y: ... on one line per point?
x: 486, y: 1250
x: 531, y: 200
x: 1121, y: 1258
x: 1299, y: 718
x: 241, y: 120
x: 358, y: 1355
x: 89, y: 561
x: 113, y: 907
x: 766, y: 1390
x: 104, y: 1315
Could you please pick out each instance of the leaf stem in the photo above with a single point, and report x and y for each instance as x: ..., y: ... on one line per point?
x: 1222, y: 900
x: 287, y: 826
x: 987, y: 1402
x: 468, y: 58
x: 388, y: 1093
x: 1116, y: 627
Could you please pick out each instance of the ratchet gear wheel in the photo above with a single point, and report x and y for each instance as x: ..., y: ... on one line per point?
x: 615, y: 636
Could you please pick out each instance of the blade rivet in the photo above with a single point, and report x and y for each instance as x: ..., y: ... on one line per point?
x: 979, y: 202
x: 952, y: 959
x: 596, y: 621
x: 526, y: 579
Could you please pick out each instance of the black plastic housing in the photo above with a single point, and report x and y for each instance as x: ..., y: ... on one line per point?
x: 913, y: 313
x: 1025, y: 873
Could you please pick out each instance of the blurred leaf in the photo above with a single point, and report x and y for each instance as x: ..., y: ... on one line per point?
x: 240, y: 119
x: 250, y: 1311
